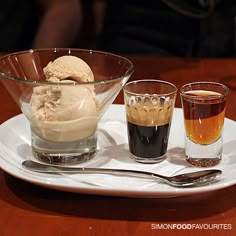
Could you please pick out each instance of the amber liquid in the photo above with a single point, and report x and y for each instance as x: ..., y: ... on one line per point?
x: 204, y: 119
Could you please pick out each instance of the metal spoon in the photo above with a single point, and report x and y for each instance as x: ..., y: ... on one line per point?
x: 183, y: 180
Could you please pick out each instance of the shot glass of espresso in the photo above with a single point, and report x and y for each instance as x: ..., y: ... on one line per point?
x: 204, y: 106
x: 149, y: 108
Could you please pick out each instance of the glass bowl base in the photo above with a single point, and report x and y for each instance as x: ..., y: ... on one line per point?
x: 63, y: 158
x: 63, y: 153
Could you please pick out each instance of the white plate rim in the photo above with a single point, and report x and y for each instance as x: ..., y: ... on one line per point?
x: 20, y: 173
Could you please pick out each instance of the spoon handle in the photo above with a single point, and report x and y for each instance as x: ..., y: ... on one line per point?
x: 35, y: 166
x: 188, y: 179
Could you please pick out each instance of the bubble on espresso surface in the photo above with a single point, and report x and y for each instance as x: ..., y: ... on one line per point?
x: 149, y: 111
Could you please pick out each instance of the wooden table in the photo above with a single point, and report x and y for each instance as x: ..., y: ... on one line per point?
x: 27, y: 209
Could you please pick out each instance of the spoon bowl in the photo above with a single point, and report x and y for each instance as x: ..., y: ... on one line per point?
x: 197, y: 178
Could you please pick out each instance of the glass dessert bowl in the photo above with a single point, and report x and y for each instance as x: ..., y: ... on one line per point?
x: 64, y: 93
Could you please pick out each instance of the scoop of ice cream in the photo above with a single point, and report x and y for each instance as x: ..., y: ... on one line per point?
x: 69, y: 67
x: 62, y: 103
x: 63, y: 113
x: 66, y: 111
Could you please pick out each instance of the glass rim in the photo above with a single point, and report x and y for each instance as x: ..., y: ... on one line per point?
x: 184, y: 94
x: 69, y: 50
x: 175, y: 89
